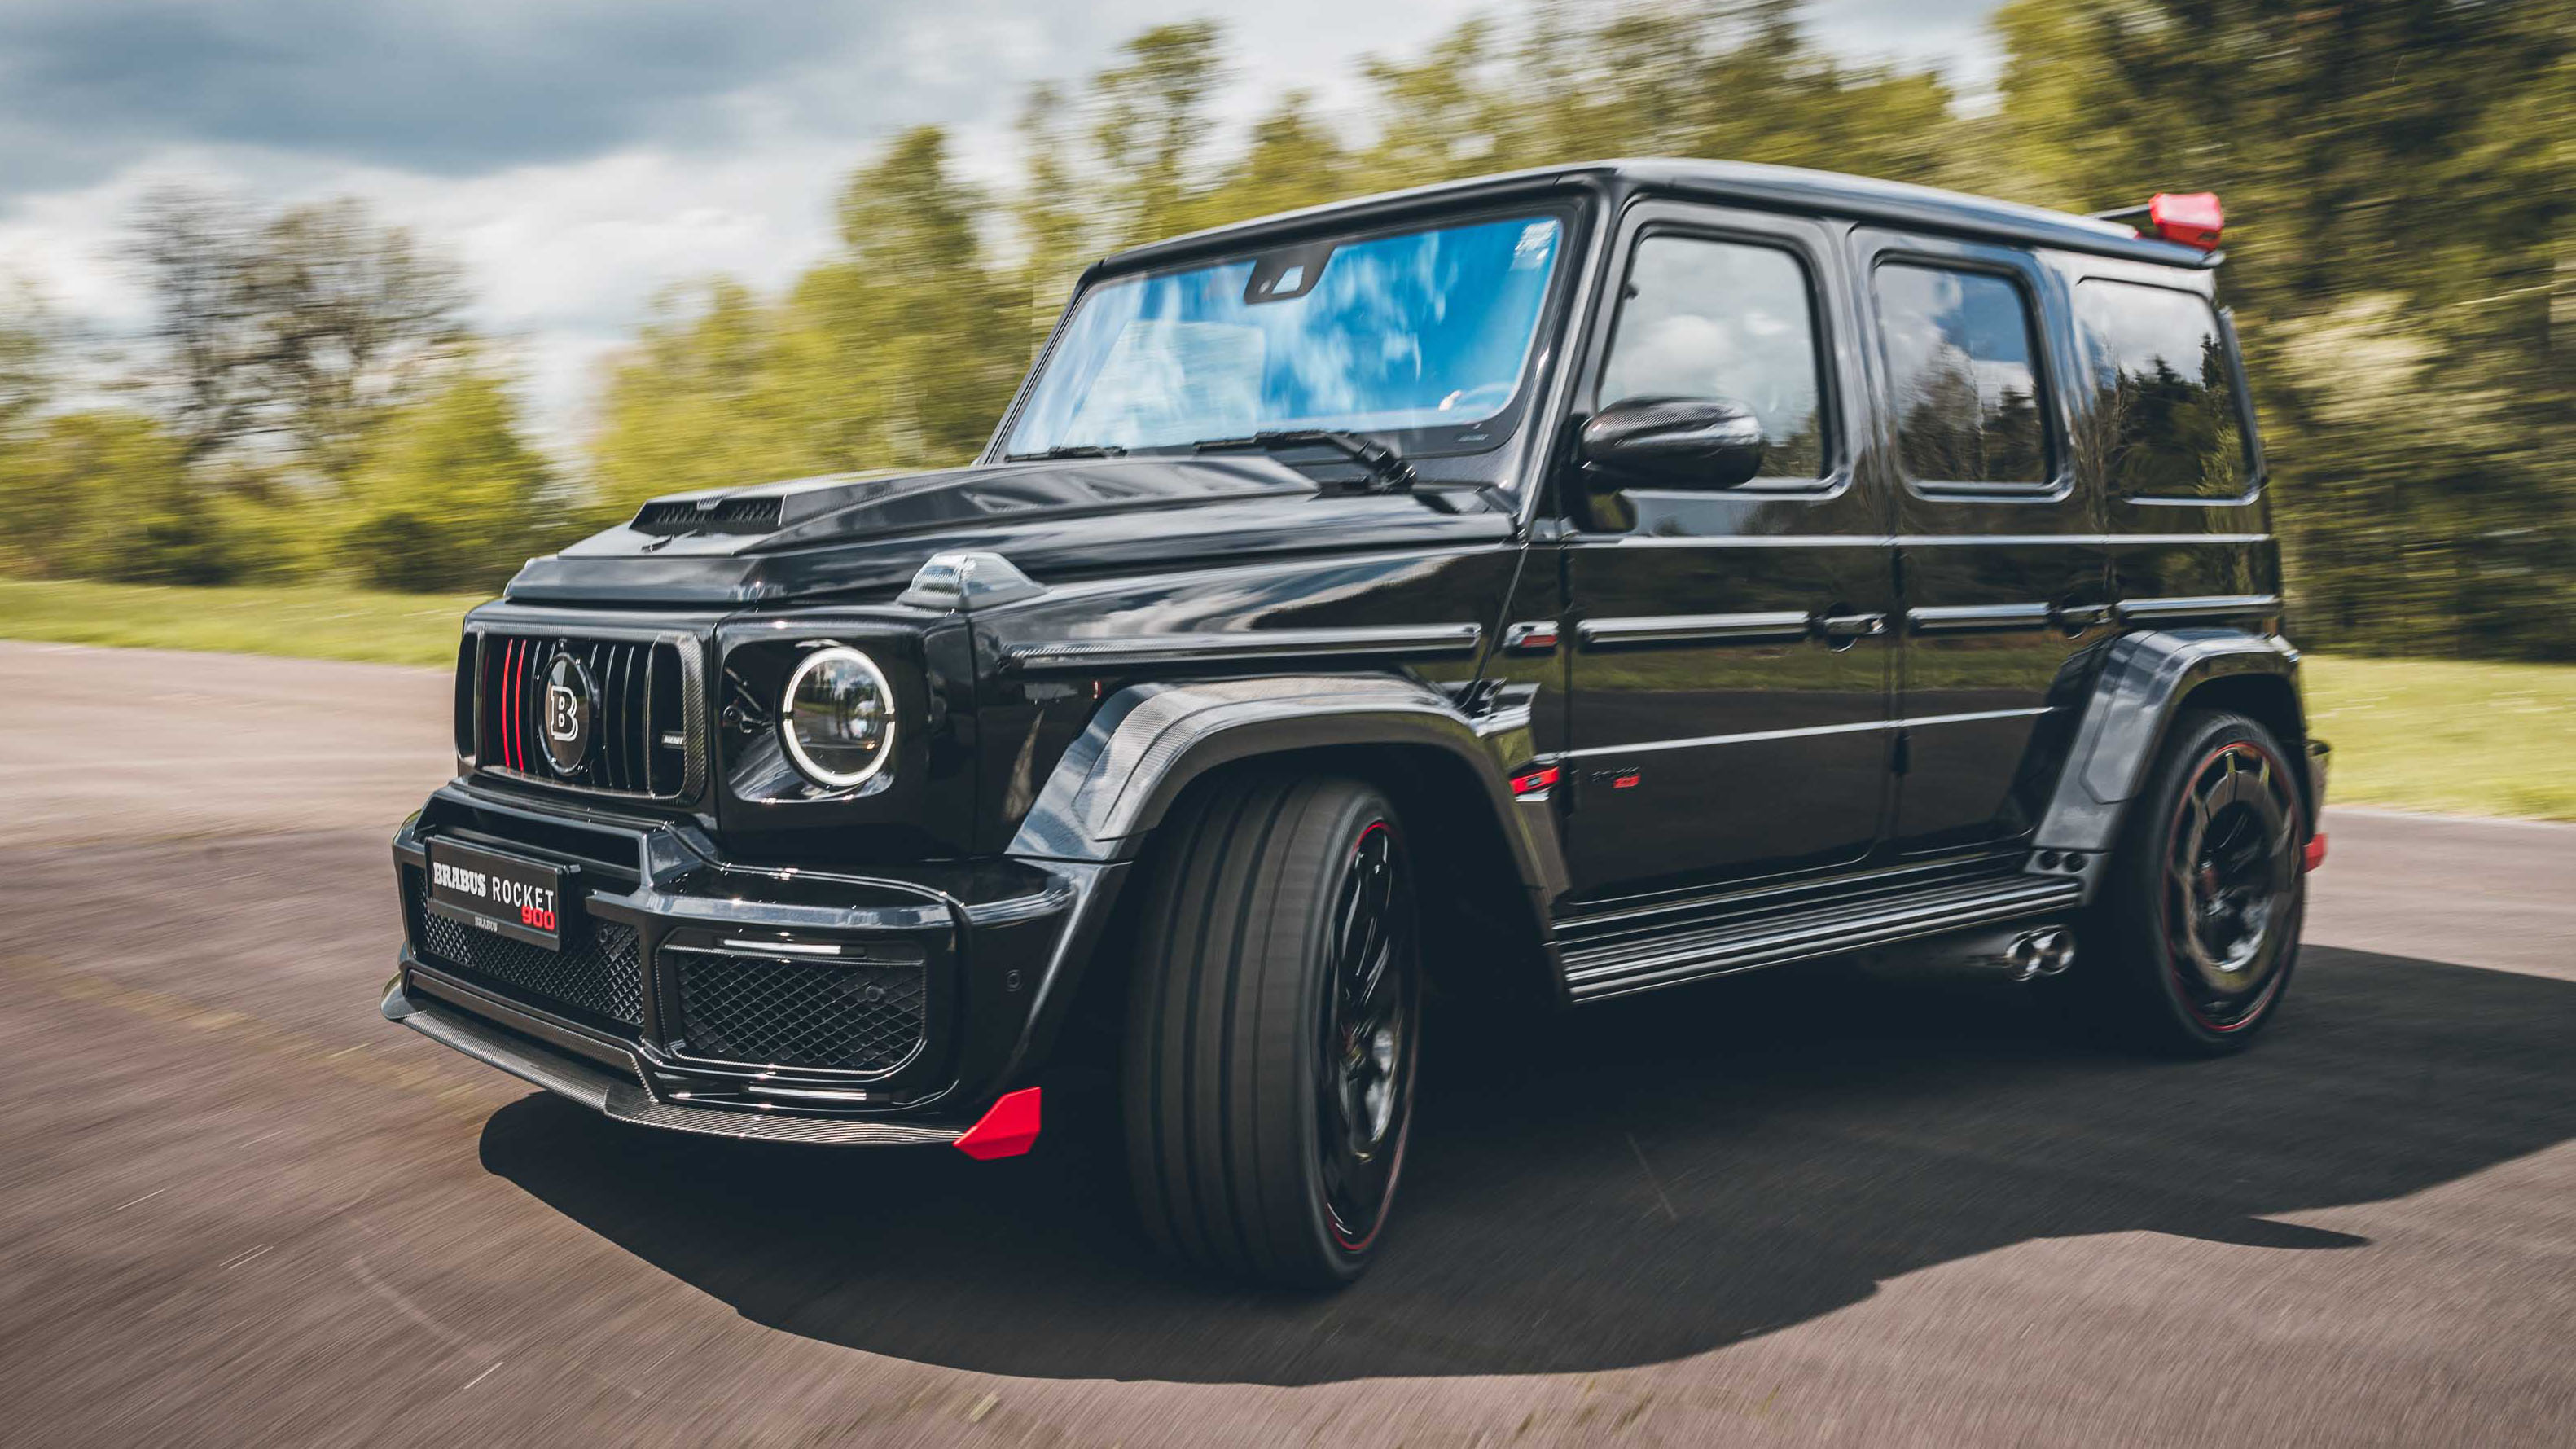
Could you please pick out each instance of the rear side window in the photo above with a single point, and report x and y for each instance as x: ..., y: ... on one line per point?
x: 1963, y: 366
x: 2165, y: 403
x: 1731, y: 320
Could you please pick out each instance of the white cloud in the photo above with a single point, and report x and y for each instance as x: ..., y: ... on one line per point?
x: 585, y: 160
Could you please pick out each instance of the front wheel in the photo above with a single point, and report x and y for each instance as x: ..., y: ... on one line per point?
x: 1272, y: 1027
x: 2206, y: 894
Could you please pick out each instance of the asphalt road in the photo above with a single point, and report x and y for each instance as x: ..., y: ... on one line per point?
x: 238, y: 1208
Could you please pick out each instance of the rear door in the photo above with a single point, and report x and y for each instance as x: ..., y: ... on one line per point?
x: 1730, y: 681
x: 2191, y: 544
x: 2001, y: 569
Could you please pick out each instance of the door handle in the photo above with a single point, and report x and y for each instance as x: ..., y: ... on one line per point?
x: 1835, y: 626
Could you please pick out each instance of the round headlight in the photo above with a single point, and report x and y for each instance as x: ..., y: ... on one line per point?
x: 836, y: 717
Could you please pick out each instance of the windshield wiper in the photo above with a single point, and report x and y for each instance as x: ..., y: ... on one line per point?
x: 1387, y: 469
x: 1068, y: 450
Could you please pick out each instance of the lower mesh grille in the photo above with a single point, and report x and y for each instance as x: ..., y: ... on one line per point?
x: 600, y: 973
x: 858, y: 1018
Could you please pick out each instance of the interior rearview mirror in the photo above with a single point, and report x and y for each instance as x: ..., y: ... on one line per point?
x: 1674, y: 442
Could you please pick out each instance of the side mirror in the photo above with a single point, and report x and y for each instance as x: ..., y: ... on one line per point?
x: 1675, y: 442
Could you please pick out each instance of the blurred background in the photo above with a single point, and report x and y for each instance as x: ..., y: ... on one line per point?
x: 318, y: 316
x: 326, y: 302
x: 277, y: 328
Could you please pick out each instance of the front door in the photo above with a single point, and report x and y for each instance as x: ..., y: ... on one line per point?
x: 1730, y: 687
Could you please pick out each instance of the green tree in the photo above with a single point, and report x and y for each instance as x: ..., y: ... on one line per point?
x: 1151, y: 124
x: 102, y: 493
x: 290, y: 336
x: 885, y: 354
x: 29, y: 361
x: 2398, y: 173
x: 2401, y: 191
x: 449, y: 496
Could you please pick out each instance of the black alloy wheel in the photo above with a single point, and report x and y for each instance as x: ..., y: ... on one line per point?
x: 1273, y: 1028
x: 1367, y: 1039
x: 2207, y: 893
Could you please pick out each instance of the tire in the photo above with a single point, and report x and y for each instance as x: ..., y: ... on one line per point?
x: 2198, y: 931
x: 1272, y: 1029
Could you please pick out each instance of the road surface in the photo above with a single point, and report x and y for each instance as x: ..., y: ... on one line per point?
x: 239, y: 1208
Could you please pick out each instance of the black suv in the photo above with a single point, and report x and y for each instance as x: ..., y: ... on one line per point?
x: 1525, y: 591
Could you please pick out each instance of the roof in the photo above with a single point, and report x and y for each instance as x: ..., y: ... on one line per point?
x: 1742, y: 183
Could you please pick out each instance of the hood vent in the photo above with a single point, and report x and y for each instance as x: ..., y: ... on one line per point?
x: 672, y: 517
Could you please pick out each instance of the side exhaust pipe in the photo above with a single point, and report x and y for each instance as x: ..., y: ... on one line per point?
x: 2047, y: 951
x: 2017, y: 953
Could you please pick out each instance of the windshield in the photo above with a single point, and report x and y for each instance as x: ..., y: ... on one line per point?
x: 1388, y: 333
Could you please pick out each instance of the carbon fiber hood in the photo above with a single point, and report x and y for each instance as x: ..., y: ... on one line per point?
x: 865, y: 536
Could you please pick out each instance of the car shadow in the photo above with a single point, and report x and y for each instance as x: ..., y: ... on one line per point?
x: 1634, y: 1183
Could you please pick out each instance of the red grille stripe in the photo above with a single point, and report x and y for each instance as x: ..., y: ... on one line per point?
x: 510, y: 704
x: 527, y: 680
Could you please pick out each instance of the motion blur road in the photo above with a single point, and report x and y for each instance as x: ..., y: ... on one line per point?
x: 236, y: 1207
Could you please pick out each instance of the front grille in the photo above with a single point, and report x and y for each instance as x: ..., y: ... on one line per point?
x: 600, y: 972
x: 850, y: 1017
x: 640, y: 737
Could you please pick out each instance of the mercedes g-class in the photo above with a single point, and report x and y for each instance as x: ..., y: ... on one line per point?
x: 1520, y: 592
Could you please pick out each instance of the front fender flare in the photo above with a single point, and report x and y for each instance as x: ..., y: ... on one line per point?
x: 1148, y: 742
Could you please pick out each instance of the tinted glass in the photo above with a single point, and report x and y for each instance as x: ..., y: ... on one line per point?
x: 1727, y: 320
x: 2164, y: 393
x: 1423, y: 330
x: 1963, y: 366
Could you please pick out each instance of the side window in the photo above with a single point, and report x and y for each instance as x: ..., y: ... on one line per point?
x: 2165, y: 420
x: 1963, y: 368
x: 1735, y: 320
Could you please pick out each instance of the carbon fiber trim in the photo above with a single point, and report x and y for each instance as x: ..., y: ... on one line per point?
x: 1619, y: 968
x: 2198, y: 606
x: 1170, y: 719
x: 631, y: 1105
x: 624, y: 1098
x: 1692, y: 628
x: 1432, y: 641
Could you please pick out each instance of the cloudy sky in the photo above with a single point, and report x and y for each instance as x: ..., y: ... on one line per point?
x: 580, y: 155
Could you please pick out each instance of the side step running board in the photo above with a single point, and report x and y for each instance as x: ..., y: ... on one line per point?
x: 1616, y: 968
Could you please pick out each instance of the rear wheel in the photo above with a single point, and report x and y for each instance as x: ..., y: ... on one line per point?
x: 1272, y: 1029
x: 2206, y: 894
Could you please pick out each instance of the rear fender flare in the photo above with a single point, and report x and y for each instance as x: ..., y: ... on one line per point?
x: 2145, y: 681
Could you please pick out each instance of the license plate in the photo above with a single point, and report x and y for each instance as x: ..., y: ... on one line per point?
x: 525, y: 900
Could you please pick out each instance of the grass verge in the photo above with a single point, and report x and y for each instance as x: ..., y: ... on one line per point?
x: 314, y: 621
x: 2458, y: 738
x: 2410, y: 734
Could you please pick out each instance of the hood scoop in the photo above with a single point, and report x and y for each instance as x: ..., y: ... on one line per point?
x: 673, y: 517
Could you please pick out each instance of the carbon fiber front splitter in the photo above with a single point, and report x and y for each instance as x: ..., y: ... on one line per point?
x: 580, y: 1070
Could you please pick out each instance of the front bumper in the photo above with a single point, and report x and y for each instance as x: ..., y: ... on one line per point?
x: 535, y: 1054
x: 875, y: 1007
